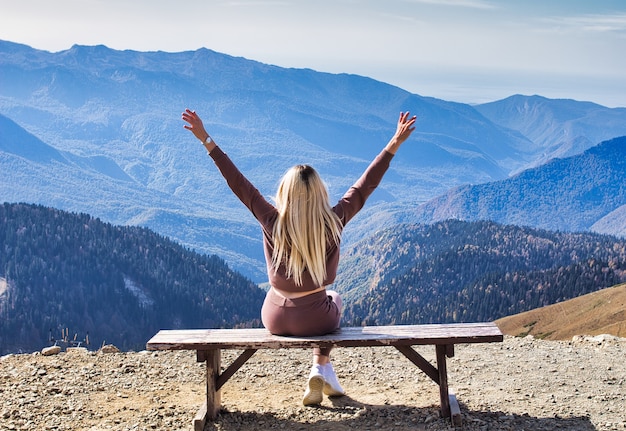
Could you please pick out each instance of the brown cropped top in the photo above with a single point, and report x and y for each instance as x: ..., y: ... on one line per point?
x: 266, y: 214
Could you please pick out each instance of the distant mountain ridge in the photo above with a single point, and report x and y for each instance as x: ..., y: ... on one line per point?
x: 562, y: 128
x: 578, y: 193
x: 113, y: 118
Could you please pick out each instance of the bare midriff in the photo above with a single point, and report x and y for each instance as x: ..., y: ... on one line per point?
x: 291, y: 295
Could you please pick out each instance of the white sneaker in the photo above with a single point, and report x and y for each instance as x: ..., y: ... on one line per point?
x: 332, y: 388
x: 313, y: 393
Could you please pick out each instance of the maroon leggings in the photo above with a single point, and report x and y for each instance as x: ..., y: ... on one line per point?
x: 307, y: 316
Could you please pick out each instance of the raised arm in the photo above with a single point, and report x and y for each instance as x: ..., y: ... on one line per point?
x: 247, y: 193
x: 354, y: 199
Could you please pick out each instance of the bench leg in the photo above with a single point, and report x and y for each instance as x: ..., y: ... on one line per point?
x: 449, y: 404
x: 215, y: 381
x: 443, y: 381
x: 211, y: 407
x: 213, y: 395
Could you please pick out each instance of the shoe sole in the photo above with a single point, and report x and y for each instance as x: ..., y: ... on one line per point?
x: 313, y: 394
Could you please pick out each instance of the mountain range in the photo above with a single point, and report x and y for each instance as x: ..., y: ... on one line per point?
x: 578, y: 193
x: 64, y: 271
x: 98, y: 131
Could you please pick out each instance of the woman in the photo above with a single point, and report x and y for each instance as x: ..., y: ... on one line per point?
x: 301, y: 237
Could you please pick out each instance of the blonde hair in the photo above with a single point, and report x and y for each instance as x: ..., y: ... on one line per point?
x: 306, y: 225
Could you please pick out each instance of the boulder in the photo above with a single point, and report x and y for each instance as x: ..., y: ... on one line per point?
x: 109, y: 348
x: 52, y: 350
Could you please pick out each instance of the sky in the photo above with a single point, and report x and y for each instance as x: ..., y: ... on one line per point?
x: 469, y: 51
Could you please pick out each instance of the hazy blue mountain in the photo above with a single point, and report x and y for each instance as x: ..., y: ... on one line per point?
x: 560, y: 127
x: 582, y: 192
x: 102, y: 135
x: 16, y: 142
x: 613, y: 223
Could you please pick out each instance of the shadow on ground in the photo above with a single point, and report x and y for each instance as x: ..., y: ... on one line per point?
x: 349, y: 414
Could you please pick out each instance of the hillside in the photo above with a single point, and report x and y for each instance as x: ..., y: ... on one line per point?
x: 570, y: 194
x: 112, y: 145
x: 601, y: 312
x: 61, y: 271
x: 454, y: 271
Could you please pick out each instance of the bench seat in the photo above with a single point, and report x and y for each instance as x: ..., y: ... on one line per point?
x: 208, y: 344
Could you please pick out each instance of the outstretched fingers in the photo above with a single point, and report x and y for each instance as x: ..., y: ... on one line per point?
x: 192, y: 118
x: 404, y: 118
x: 406, y: 125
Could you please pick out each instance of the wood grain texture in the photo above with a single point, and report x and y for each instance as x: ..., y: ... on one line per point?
x: 260, y: 338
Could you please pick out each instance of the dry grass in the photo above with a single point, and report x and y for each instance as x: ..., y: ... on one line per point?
x: 601, y: 312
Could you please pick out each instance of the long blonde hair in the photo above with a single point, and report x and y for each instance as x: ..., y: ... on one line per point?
x: 306, y: 225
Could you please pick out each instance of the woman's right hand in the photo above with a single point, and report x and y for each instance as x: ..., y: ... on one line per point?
x: 404, y: 129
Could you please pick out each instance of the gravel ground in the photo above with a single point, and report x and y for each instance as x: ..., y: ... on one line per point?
x: 520, y: 384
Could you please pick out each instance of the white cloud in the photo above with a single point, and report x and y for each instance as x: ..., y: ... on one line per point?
x: 589, y: 23
x: 473, y: 4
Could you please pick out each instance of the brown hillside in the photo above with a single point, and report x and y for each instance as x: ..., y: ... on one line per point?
x: 601, y: 312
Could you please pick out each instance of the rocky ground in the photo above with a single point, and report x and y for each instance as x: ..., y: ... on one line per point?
x: 521, y: 384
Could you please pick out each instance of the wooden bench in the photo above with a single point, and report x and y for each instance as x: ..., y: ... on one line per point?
x: 208, y: 344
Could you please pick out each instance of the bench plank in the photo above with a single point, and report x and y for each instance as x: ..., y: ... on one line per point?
x: 260, y: 338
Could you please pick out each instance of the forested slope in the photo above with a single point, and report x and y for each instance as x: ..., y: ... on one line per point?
x: 119, y: 284
x: 455, y: 271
